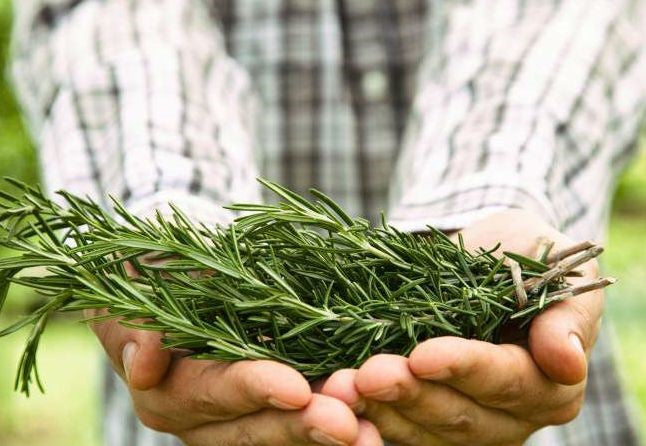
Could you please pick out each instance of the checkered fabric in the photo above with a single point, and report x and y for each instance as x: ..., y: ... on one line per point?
x: 440, y: 112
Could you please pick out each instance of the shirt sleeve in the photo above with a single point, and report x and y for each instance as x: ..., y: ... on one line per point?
x: 522, y: 104
x: 136, y: 99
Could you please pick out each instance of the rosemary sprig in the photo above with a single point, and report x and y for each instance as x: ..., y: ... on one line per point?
x: 299, y: 282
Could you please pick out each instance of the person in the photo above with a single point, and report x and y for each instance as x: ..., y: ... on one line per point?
x: 505, y: 119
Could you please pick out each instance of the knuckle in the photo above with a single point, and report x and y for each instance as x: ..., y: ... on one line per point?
x: 220, y: 396
x: 509, y: 393
x: 204, y: 403
x: 565, y: 413
x: 104, y: 330
x: 414, y: 435
x: 417, y: 437
x: 462, y: 422
x: 463, y: 370
x: 249, y: 386
x: 587, y: 318
x: 583, y: 312
x: 210, y: 403
x: 245, y: 438
x: 154, y: 421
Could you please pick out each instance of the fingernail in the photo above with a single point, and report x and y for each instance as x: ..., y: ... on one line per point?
x: 281, y: 404
x: 576, y: 342
x: 127, y: 356
x: 389, y: 394
x: 322, y: 438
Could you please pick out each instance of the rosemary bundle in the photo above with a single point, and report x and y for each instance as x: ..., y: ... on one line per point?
x: 299, y: 282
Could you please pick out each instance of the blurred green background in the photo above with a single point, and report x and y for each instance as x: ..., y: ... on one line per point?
x: 69, y: 356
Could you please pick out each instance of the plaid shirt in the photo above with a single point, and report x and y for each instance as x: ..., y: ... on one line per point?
x: 441, y: 112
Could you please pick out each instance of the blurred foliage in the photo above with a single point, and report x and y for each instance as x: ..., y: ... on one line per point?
x: 68, y: 414
x: 625, y: 258
x: 630, y: 198
x: 16, y: 152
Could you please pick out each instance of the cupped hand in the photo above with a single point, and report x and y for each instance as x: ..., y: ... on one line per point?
x: 207, y: 403
x: 458, y: 391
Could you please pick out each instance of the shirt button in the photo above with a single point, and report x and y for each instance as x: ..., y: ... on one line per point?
x: 374, y: 85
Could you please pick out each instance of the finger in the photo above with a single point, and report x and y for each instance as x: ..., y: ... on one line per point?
x: 368, y: 435
x: 325, y: 421
x: 340, y: 385
x: 561, y: 337
x: 391, y: 425
x: 136, y: 355
x: 555, y: 336
x: 197, y: 392
x: 395, y: 428
x: 486, y: 232
x: 500, y: 376
x: 440, y: 409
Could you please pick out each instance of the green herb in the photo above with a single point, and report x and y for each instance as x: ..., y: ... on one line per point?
x: 300, y: 282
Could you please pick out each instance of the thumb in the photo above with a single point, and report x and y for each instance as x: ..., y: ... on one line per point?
x: 561, y: 338
x: 136, y: 355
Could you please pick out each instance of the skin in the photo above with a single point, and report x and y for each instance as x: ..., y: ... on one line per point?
x: 208, y: 403
x: 453, y: 391
x: 448, y: 391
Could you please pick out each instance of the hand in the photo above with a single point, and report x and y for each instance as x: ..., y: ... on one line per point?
x: 457, y: 391
x: 208, y: 403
